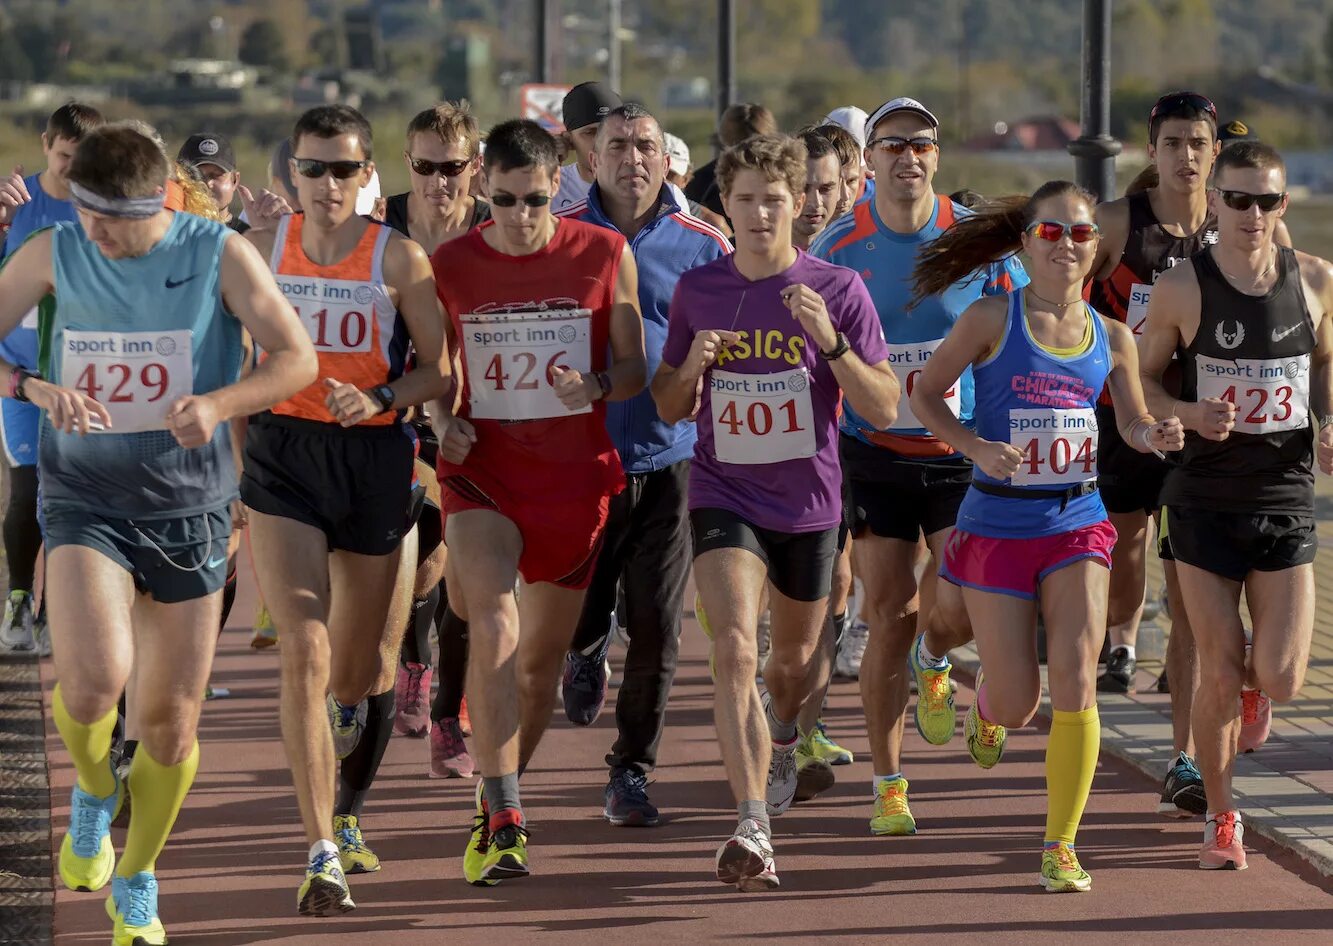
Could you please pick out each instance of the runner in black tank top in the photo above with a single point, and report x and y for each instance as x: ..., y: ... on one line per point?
x: 1249, y: 320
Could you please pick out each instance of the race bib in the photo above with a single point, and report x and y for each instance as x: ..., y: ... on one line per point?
x: 1136, y: 316
x: 338, y: 314
x: 762, y: 418
x: 1270, y: 394
x: 907, y: 361
x: 1059, y: 446
x: 136, y: 375
x: 512, y: 357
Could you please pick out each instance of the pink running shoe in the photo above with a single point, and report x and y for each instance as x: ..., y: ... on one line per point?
x: 1222, y: 842
x: 1256, y: 719
x: 449, y: 757
x: 411, y: 694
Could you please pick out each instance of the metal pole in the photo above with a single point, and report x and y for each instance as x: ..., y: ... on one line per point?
x: 1095, y: 150
x: 541, y: 53
x: 613, y: 44
x: 726, y: 55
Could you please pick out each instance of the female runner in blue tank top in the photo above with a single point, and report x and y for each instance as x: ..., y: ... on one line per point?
x: 1032, y: 526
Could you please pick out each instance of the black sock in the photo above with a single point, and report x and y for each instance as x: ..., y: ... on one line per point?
x: 22, y: 536
x: 356, y: 773
x: 452, y: 667
x: 416, y: 643
x: 228, y: 595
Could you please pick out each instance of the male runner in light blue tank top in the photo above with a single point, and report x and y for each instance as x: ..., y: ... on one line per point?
x: 139, y: 362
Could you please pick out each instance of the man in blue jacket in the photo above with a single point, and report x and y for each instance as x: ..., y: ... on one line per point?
x: 646, y: 543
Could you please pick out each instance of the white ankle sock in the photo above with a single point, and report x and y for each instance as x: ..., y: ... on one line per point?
x: 321, y: 846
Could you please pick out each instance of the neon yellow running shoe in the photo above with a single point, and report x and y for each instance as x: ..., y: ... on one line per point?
x: 324, y: 890
x: 935, y: 717
x: 708, y: 632
x: 507, y: 858
x: 892, y: 816
x: 86, y: 855
x: 814, y: 775
x: 478, y: 845
x: 132, y: 907
x: 353, y: 854
x: 985, y: 741
x: 1060, y: 870
x: 825, y: 748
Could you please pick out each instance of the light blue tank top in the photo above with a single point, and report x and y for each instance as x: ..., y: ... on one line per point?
x: 19, y: 347
x: 138, y: 334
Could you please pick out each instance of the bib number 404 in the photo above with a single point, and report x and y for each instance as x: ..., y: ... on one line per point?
x: 1058, y: 456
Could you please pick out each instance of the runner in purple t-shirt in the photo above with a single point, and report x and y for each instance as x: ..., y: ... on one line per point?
x: 760, y: 346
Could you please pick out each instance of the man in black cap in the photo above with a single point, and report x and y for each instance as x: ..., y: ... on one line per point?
x: 212, y: 159
x: 584, y: 107
x: 1236, y: 130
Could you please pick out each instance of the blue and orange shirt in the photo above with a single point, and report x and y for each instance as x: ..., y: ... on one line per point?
x: 885, y: 260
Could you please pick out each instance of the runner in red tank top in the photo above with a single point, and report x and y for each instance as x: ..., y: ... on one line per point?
x: 527, y: 468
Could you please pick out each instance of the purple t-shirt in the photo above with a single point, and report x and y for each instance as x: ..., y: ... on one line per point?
x: 768, y: 445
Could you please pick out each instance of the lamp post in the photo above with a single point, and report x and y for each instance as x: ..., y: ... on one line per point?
x: 1094, y: 150
x: 726, y: 54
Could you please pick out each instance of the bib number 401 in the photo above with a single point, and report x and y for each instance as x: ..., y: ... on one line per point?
x: 758, y: 418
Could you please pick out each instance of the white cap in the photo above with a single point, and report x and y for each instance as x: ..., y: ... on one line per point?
x: 893, y: 106
x: 366, y: 197
x: 678, y: 153
x: 852, y: 119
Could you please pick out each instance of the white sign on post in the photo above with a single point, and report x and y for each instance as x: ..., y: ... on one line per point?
x: 544, y: 104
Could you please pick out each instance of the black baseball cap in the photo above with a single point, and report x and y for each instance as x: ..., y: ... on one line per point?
x: 207, y: 148
x: 1237, y: 130
x: 587, y: 104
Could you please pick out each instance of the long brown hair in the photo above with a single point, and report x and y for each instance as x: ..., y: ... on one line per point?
x: 994, y: 232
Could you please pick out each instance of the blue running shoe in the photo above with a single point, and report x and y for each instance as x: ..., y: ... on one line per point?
x: 583, y: 684
x: 627, y: 803
x: 1183, y: 795
x: 132, y: 906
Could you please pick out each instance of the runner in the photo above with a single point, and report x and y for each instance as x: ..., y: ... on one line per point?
x: 679, y: 173
x: 28, y: 204
x: 1143, y: 235
x: 858, y: 179
x: 738, y: 121
x: 851, y: 166
x: 1033, y: 523
x: 823, y: 183
x: 645, y: 548
x: 545, y: 314
x: 1250, y: 320
x: 211, y: 158
x: 761, y: 342
x: 904, y: 482
x: 328, y: 481
x: 583, y: 108
x: 159, y: 457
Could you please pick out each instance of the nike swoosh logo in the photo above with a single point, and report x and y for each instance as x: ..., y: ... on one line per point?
x: 216, y: 562
x: 173, y: 283
x: 1281, y: 333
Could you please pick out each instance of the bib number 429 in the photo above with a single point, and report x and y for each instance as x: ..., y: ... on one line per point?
x: 123, y: 383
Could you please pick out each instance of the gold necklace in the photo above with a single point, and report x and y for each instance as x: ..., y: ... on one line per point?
x: 1058, y: 305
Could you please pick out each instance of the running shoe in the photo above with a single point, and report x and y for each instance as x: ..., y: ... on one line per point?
x: 324, y: 890
x: 828, y: 750
x: 1060, y: 870
x: 478, y: 844
x: 782, y: 777
x: 985, y: 741
x: 584, y: 681
x: 1118, y: 677
x: 1256, y: 719
x: 813, y: 774
x: 507, y: 858
x: 265, y: 635
x: 704, y: 626
x: 1153, y: 605
x: 122, y: 764
x: 1163, y: 682
x: 892, y: 815
x: 627, y: 803
x: 16, y: 633
x: 411, y: 696
x: 132, y: 907
x: 746, y: 859
x: 41, y: 634
x: 935, y: 715
x: 1183, y: 793
x: 464, y: 720
x: 449, y: 757
x: 1223, y: 842
x: 852, y: 647
x: 86, y: 855
x: 353, y: 854
x: 347, y: 724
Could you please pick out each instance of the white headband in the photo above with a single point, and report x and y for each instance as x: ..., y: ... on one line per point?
x: 133, y: 208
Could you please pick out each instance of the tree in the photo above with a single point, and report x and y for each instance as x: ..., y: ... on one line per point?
x: 14, y: 62
x: 262, y: 44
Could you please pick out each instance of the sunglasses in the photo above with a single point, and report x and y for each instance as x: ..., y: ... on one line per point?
x: 1054, y: 230
x: 529, y: 200
x: 1175, y: 101
x: 428, y: 168
x: 895, y: 145
x: 1240, y: 200
x: 341, y: 170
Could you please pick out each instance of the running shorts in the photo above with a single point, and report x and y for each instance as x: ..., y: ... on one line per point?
x: 896, y: 498
x: 1129, y: 481
x: 1017, y: 567
x: 800, y: 564
x: 18, y: 431
x: 1234, y: 544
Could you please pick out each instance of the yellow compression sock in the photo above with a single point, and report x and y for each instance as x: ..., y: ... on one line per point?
x: 1071, y: 760
x: 89, y: 746
x: 158, y: 792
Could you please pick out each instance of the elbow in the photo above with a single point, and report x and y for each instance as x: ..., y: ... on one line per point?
x: 668, y: 407
x: 306, y: 369
x: 886, y: 411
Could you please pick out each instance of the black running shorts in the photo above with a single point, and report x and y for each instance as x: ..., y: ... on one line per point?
x: 1234, y: 544
x: 800, y: 564
x: 897, y: 498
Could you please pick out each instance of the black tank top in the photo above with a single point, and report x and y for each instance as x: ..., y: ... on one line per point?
x: 1253, y: 351
x: 395, y: 213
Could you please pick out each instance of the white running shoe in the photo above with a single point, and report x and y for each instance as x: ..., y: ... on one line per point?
x: 851, y: 649
x: 782, y: 777
x: 746, y: 859
x: 16, y: 633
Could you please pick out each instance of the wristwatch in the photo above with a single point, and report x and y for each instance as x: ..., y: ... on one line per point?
x: 604, y: 382
x: 382, y: 395
x: 839, y: 349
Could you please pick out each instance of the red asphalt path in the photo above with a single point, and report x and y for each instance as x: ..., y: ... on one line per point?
x: 230, y: 873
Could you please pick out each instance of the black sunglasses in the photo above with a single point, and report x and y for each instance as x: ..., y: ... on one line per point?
x: 1174, y: 101
x: 1242, y: 200
x: 341, y: 170
x: 530, y: 200
x: 428, y: 168
x: 895, y: 145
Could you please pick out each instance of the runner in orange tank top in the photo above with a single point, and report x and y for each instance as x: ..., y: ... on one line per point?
x: 329, y: 482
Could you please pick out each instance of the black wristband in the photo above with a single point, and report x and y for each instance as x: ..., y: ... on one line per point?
x: 20, y: 376
x: 838, y: 350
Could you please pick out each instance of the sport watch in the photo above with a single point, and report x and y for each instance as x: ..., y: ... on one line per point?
x: 382, y: 395
x: 604, y: 382
x: 840, y: 348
